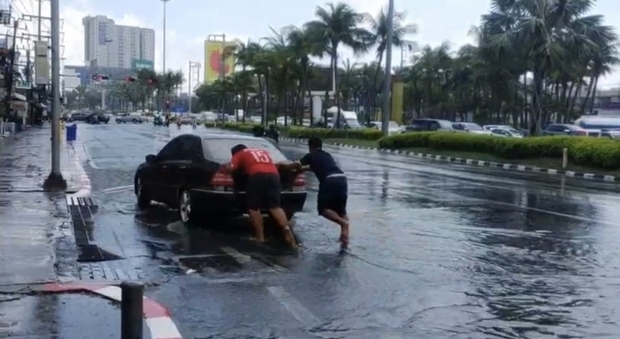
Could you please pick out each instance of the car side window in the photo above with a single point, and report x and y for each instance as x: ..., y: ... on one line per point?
x: 555, y: 128
x: 434, y: 125
x: 170, y: 151
x: 190, y: 149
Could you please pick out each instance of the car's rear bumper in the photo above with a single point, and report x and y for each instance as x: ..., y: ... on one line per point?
x: 233, y: 204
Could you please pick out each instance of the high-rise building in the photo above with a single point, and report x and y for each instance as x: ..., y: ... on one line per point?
x: 109, y: 45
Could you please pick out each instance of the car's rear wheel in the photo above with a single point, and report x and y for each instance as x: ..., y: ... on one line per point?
x: 144, y: 200
x: 185, y: 206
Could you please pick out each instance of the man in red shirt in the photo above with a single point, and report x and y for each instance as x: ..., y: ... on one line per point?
x: 263, y: 189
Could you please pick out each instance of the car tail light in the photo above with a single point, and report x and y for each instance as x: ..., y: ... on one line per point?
x: 222, y: 180
x: 300, y: 182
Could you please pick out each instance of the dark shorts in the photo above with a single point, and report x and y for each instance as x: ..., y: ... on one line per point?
x: 333, y: 193
x: 263, y: 191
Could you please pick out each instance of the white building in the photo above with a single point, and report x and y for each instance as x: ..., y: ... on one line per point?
x: 114, y: 45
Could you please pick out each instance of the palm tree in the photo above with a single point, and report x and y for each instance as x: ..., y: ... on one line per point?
x: 547, y: 35
x: 338, y: 26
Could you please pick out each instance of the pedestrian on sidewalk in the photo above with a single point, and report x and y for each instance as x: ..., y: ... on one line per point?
x: 333, y: 186
x: 263, y: 189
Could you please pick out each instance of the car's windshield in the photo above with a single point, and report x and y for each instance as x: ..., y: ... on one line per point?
x: 218, y: 150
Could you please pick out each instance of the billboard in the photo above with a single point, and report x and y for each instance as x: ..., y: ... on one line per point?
x: 137, y: 64
x: 213, y: 59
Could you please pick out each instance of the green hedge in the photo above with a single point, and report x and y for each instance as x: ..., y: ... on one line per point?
x: 594, y: 152
x: 305, y: 132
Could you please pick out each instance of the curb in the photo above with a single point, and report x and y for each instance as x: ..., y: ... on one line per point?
x: 156, y: 316
x: 504, y: 166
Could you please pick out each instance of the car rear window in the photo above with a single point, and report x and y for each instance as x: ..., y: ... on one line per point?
x: 218, y: 150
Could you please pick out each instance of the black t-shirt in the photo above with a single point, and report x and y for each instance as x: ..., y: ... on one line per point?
x: 321, y: 163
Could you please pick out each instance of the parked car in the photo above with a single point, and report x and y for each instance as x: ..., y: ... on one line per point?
x: 418, y: 125
x: 564, y: 129
x: 136, y: 118
x: 505, y: 133
x: 79, y: 116
x: 470, y: 127
x: 394, y: 127
x: 97, y: 118
x: 186, y: 174
x: 511, y: 129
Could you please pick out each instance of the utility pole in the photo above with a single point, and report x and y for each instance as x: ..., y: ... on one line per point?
x: 387, y: 82
x: 55, y: 179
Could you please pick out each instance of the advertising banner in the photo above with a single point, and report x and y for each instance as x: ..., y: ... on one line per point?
x: 41, y: 63
x: 213, y: 59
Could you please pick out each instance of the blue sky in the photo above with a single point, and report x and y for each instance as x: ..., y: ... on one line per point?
x: 190, y: 21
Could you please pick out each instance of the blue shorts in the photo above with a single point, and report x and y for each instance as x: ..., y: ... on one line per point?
x: 333, y: 194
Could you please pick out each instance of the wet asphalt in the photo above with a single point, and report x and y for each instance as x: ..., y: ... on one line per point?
x: 437, y: 251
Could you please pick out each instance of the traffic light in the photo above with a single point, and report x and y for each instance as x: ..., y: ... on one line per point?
x: 167, y: 104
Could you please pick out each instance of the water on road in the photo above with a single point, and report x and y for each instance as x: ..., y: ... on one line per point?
x: 437, y: 251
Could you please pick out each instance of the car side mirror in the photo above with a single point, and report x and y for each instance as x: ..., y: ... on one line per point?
x: 150, y: 158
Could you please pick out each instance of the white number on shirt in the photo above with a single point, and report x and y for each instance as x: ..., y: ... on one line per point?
x: 261, y: 156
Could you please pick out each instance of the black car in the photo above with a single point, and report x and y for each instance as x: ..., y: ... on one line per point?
x: 80, y: 116
x: 186, y: 175
x: 97, y: 118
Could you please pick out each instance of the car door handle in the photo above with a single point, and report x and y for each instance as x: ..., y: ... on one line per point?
x: 164, y: 167
x: 182, y: 167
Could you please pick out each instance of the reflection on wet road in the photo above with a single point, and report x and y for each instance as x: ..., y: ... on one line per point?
x: 438, y: 250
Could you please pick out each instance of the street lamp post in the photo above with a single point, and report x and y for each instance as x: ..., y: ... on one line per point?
x: 385, y: 121
x: 55, y: 179
x: 192, y: 65
x: 164, y: 47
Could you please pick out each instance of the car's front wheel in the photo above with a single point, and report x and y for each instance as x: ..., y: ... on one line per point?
x: 185, y: 206
x: 144, y: 200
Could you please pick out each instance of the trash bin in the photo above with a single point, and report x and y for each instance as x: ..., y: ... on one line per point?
x: 71, y: 132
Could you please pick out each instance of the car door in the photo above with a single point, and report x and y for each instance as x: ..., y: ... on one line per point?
x: 162, y: 171
x: 186, y: 169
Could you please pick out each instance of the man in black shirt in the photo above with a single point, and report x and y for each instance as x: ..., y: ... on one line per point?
x: 333, y: 187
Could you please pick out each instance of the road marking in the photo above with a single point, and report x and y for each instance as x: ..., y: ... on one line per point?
x: 116, y: 189
x: 240, y: 257
x: 294, y: 307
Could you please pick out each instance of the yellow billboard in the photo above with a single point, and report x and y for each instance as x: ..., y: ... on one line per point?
x: 213, y: 60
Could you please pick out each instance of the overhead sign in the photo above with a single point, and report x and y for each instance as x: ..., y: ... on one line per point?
x: 137, y: 64
x: 5, y: 17
x: 23, y: 85
x: 41, y: 63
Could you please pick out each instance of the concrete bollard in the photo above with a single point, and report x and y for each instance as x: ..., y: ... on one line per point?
x: 564, y: 158
x: 132, y: 295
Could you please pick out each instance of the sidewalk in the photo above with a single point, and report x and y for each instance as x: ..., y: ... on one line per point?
x: 38, y: 250
x: 33, y: 222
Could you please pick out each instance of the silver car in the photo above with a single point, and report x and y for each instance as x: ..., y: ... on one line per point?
x: 136, y: 118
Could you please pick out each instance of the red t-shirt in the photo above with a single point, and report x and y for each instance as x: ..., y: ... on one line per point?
x: 252, y: 161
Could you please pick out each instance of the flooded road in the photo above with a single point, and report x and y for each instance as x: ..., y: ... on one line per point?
x: 437, y: 251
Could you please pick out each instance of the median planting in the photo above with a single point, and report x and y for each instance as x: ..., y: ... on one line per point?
x: 586, y: 151
x: 597, y: 153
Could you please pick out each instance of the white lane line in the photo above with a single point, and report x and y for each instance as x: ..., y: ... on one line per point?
x: 294, y: 307
x: 240, y: 257
x: 197, y: 256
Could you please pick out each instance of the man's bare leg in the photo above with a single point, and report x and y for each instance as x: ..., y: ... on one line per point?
x: 278, y: 215
x: 342, y: 221
x: 256, y: 219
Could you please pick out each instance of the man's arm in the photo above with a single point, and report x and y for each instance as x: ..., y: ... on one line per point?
x: 302, y: 164
x: 233, y: 165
